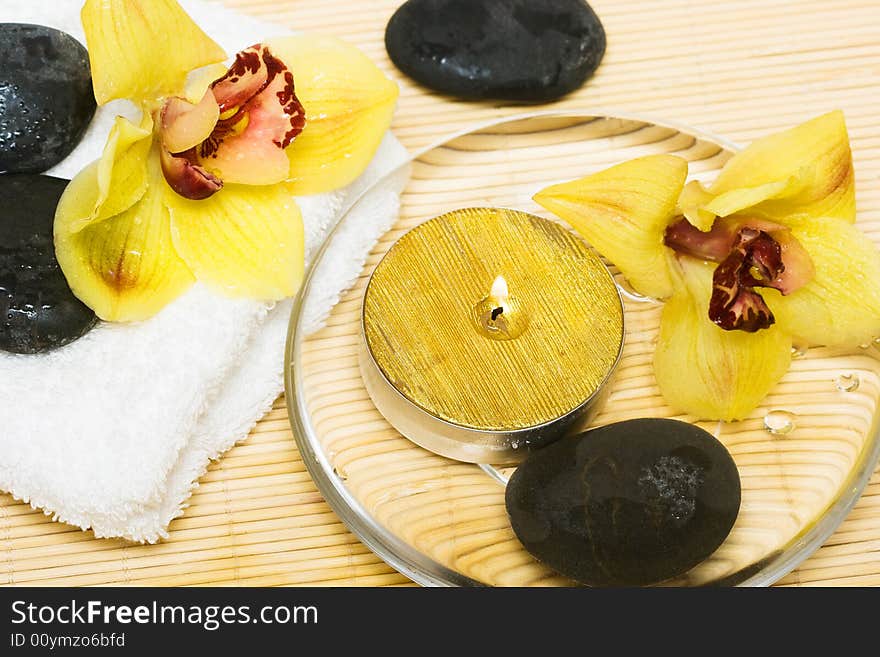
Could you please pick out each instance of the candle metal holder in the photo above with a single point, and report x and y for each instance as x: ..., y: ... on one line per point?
x: 488, y: 333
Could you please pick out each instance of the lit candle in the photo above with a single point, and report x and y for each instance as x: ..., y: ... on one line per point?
x: 489, y: 332
x: 499, y: 316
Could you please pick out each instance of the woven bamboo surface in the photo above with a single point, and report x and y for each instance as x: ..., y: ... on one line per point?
x: 737, y: 68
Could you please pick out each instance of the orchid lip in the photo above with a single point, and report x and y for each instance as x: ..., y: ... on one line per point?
x: 252, y: 75
x: 752, y: 253
x: 717, y: 243
x: 735, y: 305
x: 237, y: 133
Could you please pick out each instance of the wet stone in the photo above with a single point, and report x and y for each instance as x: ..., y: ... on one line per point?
x: 631, y: 504
x: 46, y: 97
x: 38, y: 312
x: 519, y: 50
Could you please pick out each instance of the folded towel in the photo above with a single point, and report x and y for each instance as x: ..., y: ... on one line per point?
x: 112, y: 431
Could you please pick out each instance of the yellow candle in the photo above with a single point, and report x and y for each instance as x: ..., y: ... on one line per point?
x: 487, y: 332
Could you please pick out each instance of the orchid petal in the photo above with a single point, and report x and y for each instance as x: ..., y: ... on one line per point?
x: 349, y: 103
x: 706, y: 371
x: 143, y: 49
x: 120, y: 174
x: 624, y: 212
x: 691, y: 204
x: 840, y: 307
x: 799, y: 173
x: 737, y: 200
x: 244, y: 241
x: 200, y: 80
x: 186, y: 125
x: 125, y: 267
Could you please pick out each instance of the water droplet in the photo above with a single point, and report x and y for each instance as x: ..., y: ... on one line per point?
x: 847, y: 382
x: 798, y: 351
x: 779, y: 423
x: 340, y: 472
x: 866, y: 345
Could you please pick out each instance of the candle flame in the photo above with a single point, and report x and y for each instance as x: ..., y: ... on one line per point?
x: 499, y: 289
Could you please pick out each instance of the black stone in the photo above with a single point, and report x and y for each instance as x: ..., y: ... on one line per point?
x: 38, y: 312
x: 46, y: 97
x: 523, y: 50
x: 630, y: 504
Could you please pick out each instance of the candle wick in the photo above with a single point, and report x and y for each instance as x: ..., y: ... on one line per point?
x: 496, y: 312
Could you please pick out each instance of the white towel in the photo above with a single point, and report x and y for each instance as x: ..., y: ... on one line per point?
x: 112, y: 431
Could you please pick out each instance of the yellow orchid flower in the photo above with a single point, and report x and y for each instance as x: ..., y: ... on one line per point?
x: 202, y: 187
x: 764, y: 257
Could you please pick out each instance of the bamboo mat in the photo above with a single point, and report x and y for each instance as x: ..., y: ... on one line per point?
x: 737, y: 68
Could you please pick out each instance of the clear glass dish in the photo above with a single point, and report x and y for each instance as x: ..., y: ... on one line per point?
x: 804, y: 456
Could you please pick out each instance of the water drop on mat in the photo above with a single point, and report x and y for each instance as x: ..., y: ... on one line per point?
x: 779, y: 423
x: 847, y: 382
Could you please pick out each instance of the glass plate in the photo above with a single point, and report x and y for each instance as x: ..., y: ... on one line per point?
x: 804, y: 456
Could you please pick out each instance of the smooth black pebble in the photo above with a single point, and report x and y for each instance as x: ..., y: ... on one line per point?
x: 46, y: 97
x: 39, y: 312
x: 630, y: 504
x: 524, y: 50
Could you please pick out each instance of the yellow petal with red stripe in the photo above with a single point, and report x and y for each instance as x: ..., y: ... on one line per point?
x: 706, y: 371
x: 624, y: 212
x: 125, y: 267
